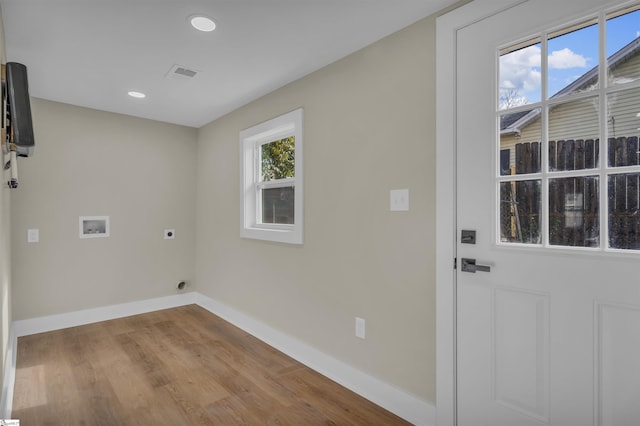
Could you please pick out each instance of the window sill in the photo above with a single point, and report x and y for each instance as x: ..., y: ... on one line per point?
x: 276, y: 233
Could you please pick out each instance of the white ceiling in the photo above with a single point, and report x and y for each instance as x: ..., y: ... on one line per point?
x: 92, y: 52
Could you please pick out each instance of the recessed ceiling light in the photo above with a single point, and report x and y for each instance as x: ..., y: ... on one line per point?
x: 202, y: 23
x: 138, y: 95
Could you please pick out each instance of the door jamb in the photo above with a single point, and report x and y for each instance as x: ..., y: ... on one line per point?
x: 447, y: 27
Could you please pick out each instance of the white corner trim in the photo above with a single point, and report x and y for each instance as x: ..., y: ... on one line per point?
x: 9, y: 376
x: 399, y: 402
x: 104, y: 313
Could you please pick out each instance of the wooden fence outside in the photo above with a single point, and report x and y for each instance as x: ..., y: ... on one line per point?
x: 573, y: 201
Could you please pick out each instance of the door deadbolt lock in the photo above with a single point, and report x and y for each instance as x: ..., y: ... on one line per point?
x: 469, y: 265
x: 468, y: 236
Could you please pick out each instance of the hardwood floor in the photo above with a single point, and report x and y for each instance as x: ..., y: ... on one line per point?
x: 180, y: 366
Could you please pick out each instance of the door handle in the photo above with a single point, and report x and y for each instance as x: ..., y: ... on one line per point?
x: 469, y: 265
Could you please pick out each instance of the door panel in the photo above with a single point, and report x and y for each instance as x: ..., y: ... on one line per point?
x: 550, y: 335
x: 521, y: 371
x: 617, y: 363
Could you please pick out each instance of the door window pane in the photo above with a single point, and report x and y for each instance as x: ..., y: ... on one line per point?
x: 520, y: 211
x: 520, y: 133
x: 574, y: 212
x: 573, y: 60
x: 574, y: 135
x: 520, y: 158
x: 624, y: 211
x: 623, y: 29
x: 565, y: 129
x: 519, y: 70
x: 623, y: 124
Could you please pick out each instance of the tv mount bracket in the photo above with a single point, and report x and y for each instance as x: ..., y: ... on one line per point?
x: 9, y: 149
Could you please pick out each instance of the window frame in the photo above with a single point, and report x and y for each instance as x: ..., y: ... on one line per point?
x: 251, y: 183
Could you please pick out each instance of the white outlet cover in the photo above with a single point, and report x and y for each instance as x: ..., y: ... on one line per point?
x: 169, y: 234
x: 33, y: 235
x: 399, y: 200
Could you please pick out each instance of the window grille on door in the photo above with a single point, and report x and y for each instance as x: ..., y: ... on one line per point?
x: 560, y: 94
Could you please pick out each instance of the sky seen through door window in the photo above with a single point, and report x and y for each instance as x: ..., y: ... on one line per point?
x: 571, y: 55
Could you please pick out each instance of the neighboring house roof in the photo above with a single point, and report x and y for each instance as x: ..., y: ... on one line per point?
x: 513, y: 123
x: 507, y: 121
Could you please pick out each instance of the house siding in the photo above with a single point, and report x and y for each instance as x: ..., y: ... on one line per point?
x: 629, y: 70
x: 623, y: 110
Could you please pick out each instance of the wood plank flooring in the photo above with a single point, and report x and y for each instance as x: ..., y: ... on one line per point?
x: 180, y: 366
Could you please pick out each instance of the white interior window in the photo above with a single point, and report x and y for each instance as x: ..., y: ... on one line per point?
x: 271, y: 199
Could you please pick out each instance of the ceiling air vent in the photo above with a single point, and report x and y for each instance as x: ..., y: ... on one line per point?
x: 179, y: 71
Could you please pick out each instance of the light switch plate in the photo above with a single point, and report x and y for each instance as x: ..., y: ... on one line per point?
x: 399, y: 200
x: 33, y: 235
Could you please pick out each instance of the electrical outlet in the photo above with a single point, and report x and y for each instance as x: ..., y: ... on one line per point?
x: 399, y: 200
x: 360, y: 327
x: 169, y: 234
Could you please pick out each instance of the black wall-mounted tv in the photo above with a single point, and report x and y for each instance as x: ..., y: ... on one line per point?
x: 19, y: 108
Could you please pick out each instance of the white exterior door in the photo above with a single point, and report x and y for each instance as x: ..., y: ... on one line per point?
x: 551, y: 333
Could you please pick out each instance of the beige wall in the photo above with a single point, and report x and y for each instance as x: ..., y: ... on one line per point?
x: 5, y: 252
x: 141, y: 173
x: 369, y: 127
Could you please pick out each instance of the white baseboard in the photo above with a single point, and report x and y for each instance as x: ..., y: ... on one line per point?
x: 105, y: 313
x: 389, y: 397
x: 399, y: 402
